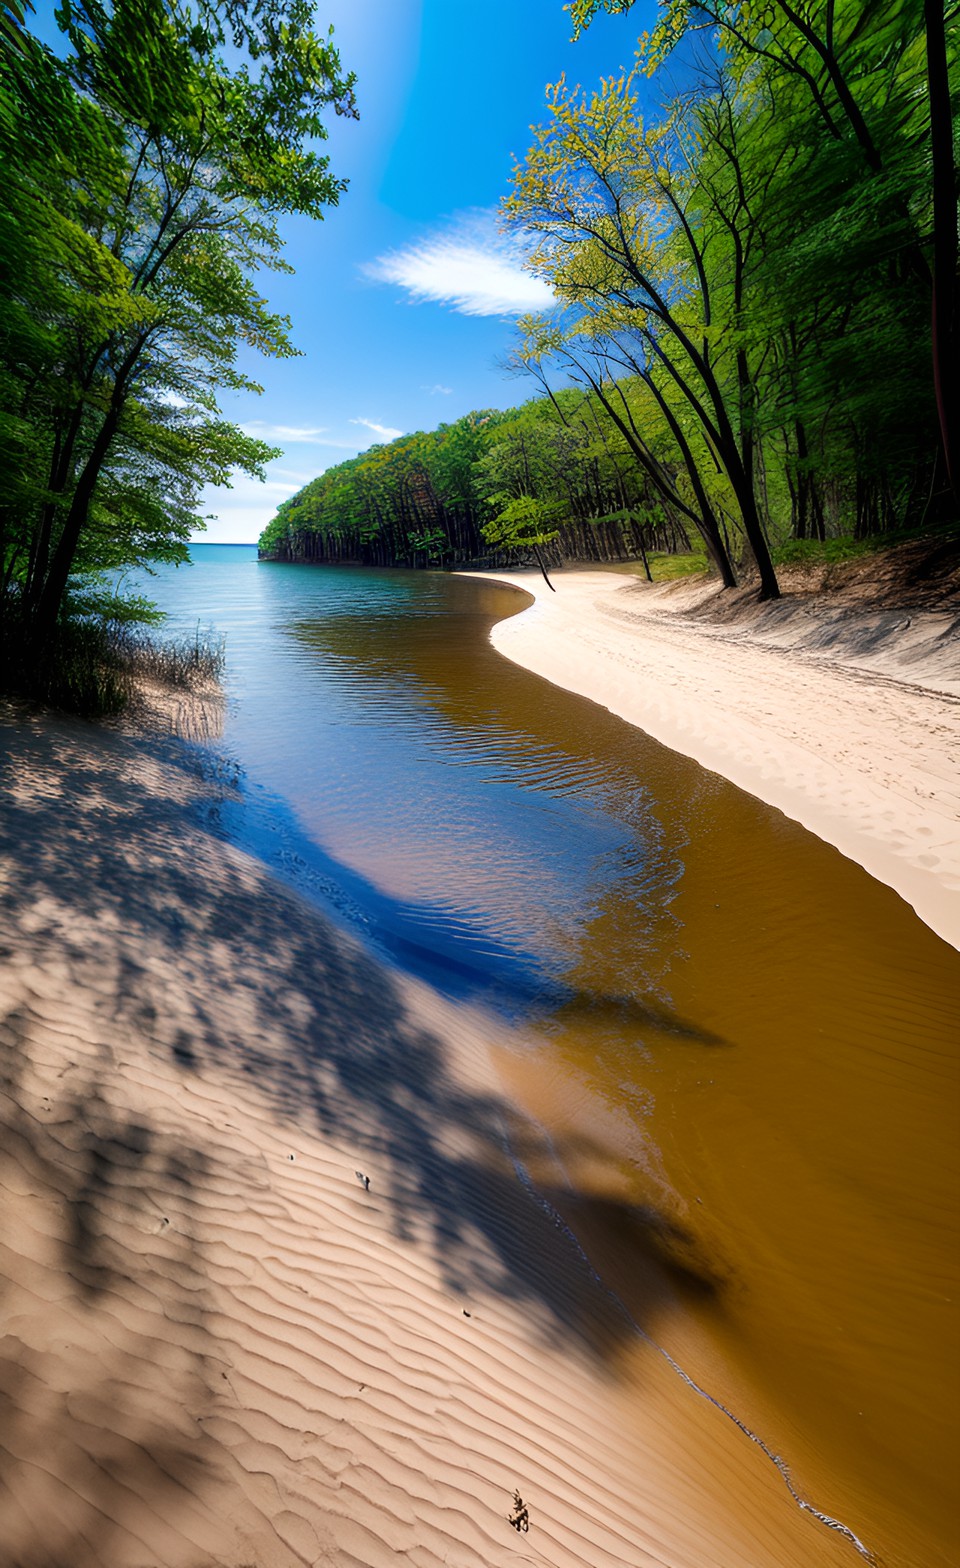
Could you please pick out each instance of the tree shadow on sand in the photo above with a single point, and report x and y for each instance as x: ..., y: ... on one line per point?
x: 195, y: 955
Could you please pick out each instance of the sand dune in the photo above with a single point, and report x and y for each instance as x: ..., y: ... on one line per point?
x: 221, y: 1345
x: 847, y: 722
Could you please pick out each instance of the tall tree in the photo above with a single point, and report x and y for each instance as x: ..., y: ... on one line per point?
x: 862, y: 90
x: 946, y: 290
x: 621, y: 242
x: 160, y: 155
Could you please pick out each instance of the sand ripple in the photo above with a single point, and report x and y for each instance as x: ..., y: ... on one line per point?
x: 220, y: 1346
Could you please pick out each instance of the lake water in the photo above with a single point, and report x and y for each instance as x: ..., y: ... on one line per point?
x: 745, y: 1048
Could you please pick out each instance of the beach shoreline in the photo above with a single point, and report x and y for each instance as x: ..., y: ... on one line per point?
x: 848, y: 723
x: 275, y: 1287
x: 292, y: 1269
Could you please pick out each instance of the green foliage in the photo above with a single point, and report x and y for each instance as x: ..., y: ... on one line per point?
x: 431, y: 543
x: 553, y: 472
x: 525, y: 521
x: 93, y: 600
x: 147, y: 172
x: 13, y: 14
x: 91, y: 664
x: 758, y: 257
x: 664, y: 568
x: 77, y: 669
x: 816, y: 552
x: 741, y: 348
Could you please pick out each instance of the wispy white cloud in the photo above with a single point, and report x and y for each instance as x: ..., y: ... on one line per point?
x: 385, y: 432
x: 241, y: 512
x: 244, y: 490
x: 291, y: 435
x: 470, y: 266
x: 298, y: 478
x: 444, y: 391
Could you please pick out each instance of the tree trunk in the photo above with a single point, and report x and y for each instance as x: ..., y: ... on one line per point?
x: 741, y: 474
x: 50, y: 598
x: 536, y: 551
x: 946, y: 306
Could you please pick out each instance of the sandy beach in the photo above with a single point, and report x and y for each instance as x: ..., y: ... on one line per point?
x: 277, y: 1286
x: 847, y: 722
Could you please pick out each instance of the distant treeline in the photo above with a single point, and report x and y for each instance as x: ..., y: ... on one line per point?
x: 755, y: 333
x: 554, y: 474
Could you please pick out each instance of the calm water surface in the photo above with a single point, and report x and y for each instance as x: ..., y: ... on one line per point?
x: 745, y: 1048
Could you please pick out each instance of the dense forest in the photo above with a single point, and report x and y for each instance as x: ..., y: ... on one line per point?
x: 756, y: 334
x: 145, y: 173
x: 484, y: 488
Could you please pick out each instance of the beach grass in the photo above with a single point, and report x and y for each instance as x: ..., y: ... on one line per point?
x: 91, y: 667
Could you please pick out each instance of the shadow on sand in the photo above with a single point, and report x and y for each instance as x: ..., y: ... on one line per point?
x: 183, y: 952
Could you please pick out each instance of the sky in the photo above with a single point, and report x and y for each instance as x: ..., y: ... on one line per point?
x: 403, y: 298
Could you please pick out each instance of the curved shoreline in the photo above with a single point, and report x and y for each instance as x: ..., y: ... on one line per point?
x: 272, y: 1290
x: 857, y: 741
x: 263, y: 1189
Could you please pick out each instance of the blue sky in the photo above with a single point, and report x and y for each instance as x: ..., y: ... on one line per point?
x: 402, y: 297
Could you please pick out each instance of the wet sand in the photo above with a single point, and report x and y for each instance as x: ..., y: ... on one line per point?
x: 224, y: 1346
x: 794, y: 1146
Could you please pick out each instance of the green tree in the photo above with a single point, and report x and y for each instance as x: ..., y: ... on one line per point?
x: 857, y: 99
x: 150, y: 170
x: 525, y: 523
x: 621, y: 241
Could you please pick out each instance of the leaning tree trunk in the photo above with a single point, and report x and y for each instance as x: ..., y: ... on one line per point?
x: 540, y: 563
x: 50, y: 599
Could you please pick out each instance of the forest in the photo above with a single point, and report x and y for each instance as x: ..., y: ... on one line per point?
x: 753, y: 346
x: 755, y: 341
x: 552, y: 476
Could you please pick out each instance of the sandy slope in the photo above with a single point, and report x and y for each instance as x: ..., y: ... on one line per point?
x: 849, y: 722
x: 220, y: 1346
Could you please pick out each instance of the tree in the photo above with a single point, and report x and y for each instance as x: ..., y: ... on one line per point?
x: 946, y: 290
x: 640, y: 413
x: 860, y: 91
x: 525, y: 524
x: 13, y: 15
x: 149, y: 177
x: 442, y: 495
x: 621, y: 243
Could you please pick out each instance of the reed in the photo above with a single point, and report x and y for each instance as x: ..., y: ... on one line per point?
x: 92, y: 667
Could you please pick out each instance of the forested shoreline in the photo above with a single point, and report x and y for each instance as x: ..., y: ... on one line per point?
x: 551, y: 476
x: 750, y: 243
x: 755, y: 336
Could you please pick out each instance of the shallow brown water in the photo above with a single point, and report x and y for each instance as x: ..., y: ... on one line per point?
x: 804, y: 1168
x: 745, y: 1048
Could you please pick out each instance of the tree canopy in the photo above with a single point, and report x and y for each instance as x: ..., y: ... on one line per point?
x: 146, y: 174
x: 751, y: 244
x: 485, y: 487
x: 773, y: 253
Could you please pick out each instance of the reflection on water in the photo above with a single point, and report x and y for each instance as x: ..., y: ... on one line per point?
x: 748, y: 1048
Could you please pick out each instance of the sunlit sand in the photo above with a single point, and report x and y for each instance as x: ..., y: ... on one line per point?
x: 857, y: 741
x: 221, y: 1345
